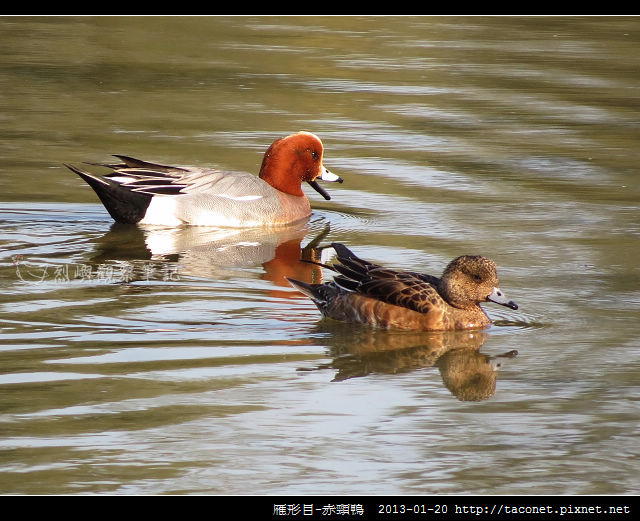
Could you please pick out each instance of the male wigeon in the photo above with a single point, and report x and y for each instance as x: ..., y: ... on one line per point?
x: 147, y: 193
x: 367, y: 293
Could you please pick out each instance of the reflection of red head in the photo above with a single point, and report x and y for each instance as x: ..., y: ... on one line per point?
x: 287, y: 263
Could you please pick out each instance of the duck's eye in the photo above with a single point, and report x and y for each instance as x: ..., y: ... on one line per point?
x: 476, y: 277
x: 315, y: 155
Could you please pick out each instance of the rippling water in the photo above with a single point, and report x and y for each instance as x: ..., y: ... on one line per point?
x: 179, y: 361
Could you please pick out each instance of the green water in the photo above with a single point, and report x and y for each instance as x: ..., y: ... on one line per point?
x: 178, y: 361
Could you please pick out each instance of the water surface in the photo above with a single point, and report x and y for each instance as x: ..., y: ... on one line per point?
x: 147, y: 361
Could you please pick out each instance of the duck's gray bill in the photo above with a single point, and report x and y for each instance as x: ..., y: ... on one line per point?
x: 326, y: 176
x: 498, y: 297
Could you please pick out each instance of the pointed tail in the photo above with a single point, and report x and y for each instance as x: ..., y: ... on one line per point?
x: 125, y: 206
x: 302, y: 287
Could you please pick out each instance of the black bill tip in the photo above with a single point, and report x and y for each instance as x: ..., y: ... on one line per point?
x: 319, y: 189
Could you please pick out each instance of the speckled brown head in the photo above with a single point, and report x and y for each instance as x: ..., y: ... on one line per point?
x: 471, y: 279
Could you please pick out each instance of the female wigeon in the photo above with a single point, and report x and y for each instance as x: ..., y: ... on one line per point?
x: 370, y: 294
x: 147, y: 193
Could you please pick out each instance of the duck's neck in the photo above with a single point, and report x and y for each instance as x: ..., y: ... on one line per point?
x: 451, y: 297
x: 474, y: 318
x: 281, y: 172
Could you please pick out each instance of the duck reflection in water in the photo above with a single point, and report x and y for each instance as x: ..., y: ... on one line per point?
x: 468, y: 374
x: 216, y: 253
x: 357, y: 350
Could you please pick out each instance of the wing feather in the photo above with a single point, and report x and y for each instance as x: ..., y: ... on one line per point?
x: 416, y: 291
x: 156, y: 179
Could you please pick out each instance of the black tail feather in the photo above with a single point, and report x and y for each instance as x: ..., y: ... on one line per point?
x: 302, y: 287
x: 132, y: 162
x: 125, y: 206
